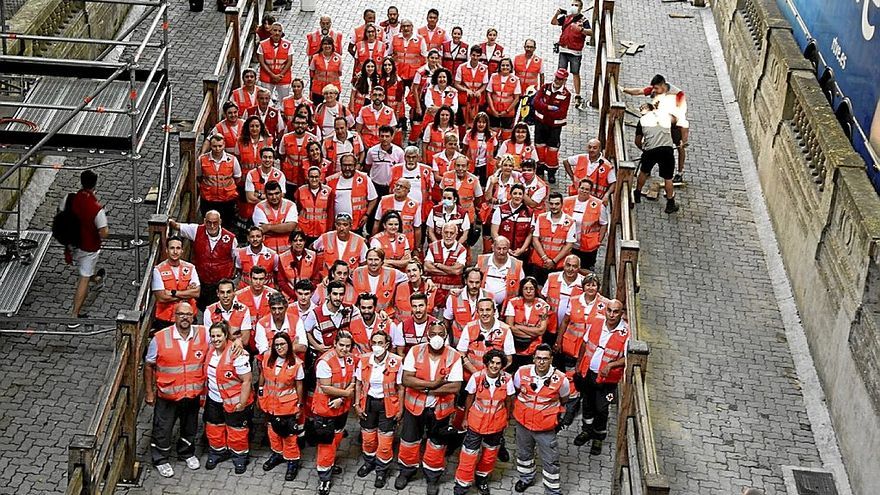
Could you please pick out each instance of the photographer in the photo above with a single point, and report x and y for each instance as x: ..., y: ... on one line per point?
x: 575, y: 29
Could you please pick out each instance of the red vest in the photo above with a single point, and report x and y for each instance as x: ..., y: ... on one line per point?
x: 410, y: 338
x: 435, y: 40
x: 340, y: 379
x: 291, y: 270
x: 446, y: 281
x: 515, y: 226
x: 216, y: 314
x: 243, y: 99
x: 439, y: 220
x: 478, y: 347
x: 327, y: 328
x: 215, y: 264
x: 266, y: 258
x: 364, y: 52
x: 492, y: 58
x: 454, y: 55
x: 85, y: 206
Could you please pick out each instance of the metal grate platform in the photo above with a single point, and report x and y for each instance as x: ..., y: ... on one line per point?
x: 16, y: 277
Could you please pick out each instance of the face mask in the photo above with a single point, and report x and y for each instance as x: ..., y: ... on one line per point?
x: 528, y: 176
x: 436, y: 342
x: 448, y: 203
x: 378, y: 350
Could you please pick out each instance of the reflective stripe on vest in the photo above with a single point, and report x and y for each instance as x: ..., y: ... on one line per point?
x: 537, y: 410
x: 488, y: 414
x: 390, y: 395
x: 415, y: 400
x: 338, y: 379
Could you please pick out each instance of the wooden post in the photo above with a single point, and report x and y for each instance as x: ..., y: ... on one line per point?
x: 211, y: 85
x: 232, y: 22
x: 157, y: 225
x: 597, y: 8
x: 629, y: 253
x: 188, y: 163
x: 637, y: 355
x: 611, y: 238
x: 81, y: 453
x: 128, y: 329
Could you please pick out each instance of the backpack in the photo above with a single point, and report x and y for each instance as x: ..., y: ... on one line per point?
x: 65, y: 224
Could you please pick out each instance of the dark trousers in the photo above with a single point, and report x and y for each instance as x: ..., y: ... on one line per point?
x: 207, y: 296
x: 596, y: 398
x: 228, y: 210
x: 414, y: 428
x: 539, y: 272
x: 588, y: 258
x: 165, y: 414
x: 517, y: 361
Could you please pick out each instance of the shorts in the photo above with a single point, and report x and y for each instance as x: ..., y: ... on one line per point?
x: 676, y: 134
x: 547, y: 136
x: 570, y: 62
x: 663, y: 157
x: 501, y: 122
x: 86, y: 261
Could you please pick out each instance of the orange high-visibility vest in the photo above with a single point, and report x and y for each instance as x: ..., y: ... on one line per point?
x: 393, y: 250
x: 246, y: 297
x: 360, y: 30
x: 351, y: 255
x: 402, y: 305
x: 415, y: 399
x: 488, y: 413
x: 519, y: 151
x: 578, y: 320
x: 245, y: 209
x: 528, y: 70
x: 339, y: 379
x: 463, y: 313
x: 384, y: 292
x: 614, y: 349
x: 407, y: 55
x: 289, y: 105
x: 473, y: 150
x: 478, y: 347
x: 554, y: 297
x: 313, y: 41
x: 391, y: 397
x: 425, y: 176
x: 177, y: 376
x: 435, y: 40
x: 540, y: 309
x: 472, y: 78
x: 359, y: 333
x: 165, y: 310
x: 249, y: 154
x: 230, y: 133
x: 275, y: 57
x: 295, y: 156
x: 373, y: 121
x: 513, y: 275
x: 454, y: 55
x: 326, y: 71
x: 503, y: 94
x: 442, y: 162
x: 552, y: 241
x: 279, y: 388
x: 348, y: 299
x: 359, y: 192
x: 590, y: 228
x: 408, y: 212
x: 599, y: 177
x: 266, y: 258
x: 217, y: 184
x: 435, y: 145
x: 538, y: 410
x: 216, y: 314
x: 314, y: 210
x: 467, y: 190
x: 243, y: 99
x: 228, y: 380
x: 276, y: 242
x: 492, y: 58
x: 292, y: 270
x: 364, y: 52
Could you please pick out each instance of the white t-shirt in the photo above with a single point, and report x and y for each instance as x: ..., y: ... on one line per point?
x: 496, y: 279
x: 259, y: 217
x: 377, y: 372
x: 242, y: 365
x: 508, y: 348
x: 187, y: 231
x: 455, y: 373
x: 415, y: 182
x: 249, y: 180
x: 373, y: 280
x: 342, y: 196
x: 380, y: 162
x: 246, y: 323
x: 433, y: 220
x: 564, y: 389
x: 462, y: 258
x: 156, y: 281
x: 397, y: 339
x: 323, y: 370
x: 471, y: 386
x: 318, y: 245
x: 398, y: 206
x: 604, y: 337
x: 153, y: 348
x: 375, y: 243
x: 564, y: 295
x: 262, y: 343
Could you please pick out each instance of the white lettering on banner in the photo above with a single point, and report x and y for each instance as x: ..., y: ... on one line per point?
x: 867, y: 27
x: 838, y: 52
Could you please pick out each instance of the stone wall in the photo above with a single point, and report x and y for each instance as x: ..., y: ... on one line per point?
x: 826, y: 216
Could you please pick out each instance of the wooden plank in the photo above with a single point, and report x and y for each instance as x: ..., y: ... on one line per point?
x: 75, y: 482
x: 676, y: 15
x: 635, y: 470
x: 116, y: 466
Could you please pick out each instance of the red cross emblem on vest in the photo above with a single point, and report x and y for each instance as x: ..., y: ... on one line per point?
x: 198, y: 354
x: 228, y: 374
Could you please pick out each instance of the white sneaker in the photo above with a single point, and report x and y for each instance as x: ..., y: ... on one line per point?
x: 193, y: 462
x: 165, y: 470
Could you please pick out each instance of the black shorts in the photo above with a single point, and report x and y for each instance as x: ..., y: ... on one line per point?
x: 500, y: 122
x: 547, y: 136
x: 676, y: 134
x: 662, y: 156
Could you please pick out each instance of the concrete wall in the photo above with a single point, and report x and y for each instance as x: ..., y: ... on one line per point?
x: 826, y: 216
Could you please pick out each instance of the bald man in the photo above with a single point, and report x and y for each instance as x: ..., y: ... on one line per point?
x: 591, y: 165
x: 212, y: 253
x: 502, y: 272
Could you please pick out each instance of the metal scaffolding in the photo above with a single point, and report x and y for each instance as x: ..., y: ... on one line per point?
x: 98, y: 109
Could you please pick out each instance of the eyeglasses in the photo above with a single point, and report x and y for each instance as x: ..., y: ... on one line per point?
x: 281, y: 345
x: 187, y: 315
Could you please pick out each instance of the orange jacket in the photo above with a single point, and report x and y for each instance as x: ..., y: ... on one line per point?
x: 279, y: 389
x: 177, y: 376
x: 391, y: 399
x: 538, y: 410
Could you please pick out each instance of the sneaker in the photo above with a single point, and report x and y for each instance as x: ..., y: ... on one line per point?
x: 240, y: 465
x: 401, y: 481
x: 677, y: 180
x: 582, y: 438
x: 77, y: 324
x: 671, y: 207
x: 99, y: 278
x: 551, y: 176
x: 292, y: 470
x: 579, y: 102
x: 522, y: 486
x: 324, y: 488
x: 165, y: 470
x: 273, y: 460
x: 193, y: 463
x: 596, y: 448
x: 432, y: 487
x: 483, y: 485
x: 365, y: 469
x: 381, y: 479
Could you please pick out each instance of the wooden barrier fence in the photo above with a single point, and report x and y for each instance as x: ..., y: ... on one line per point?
x: 106, y: 455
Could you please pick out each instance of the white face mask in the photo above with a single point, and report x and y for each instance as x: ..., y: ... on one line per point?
x: 378, y: 350
x: 448, y: 202
x: 436, y: 342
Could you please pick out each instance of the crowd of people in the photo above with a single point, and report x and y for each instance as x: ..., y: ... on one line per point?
x: 336, y: 271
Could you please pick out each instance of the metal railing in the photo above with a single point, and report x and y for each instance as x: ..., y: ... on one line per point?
x: 636, y: 467
x: 106, y: 454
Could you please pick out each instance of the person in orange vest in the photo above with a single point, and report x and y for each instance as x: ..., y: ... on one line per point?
x: 255, y: 183
x: 593, y: 166
x: 432, y: 376
x: 581, y: 312
x: 230, y: 127
x: 380, y: 159
x: 328, y: 110
x: 253, y: 139
x: 228, y: 309
x: 416, y: 282
x: 490, y: 395
x: 279, y: 395
x: 378, y: 398
x: 315, y: 201
x: 478, y: 336
x: 358, y: 34
x: 455, y: 51
x: 471, y: 79
x: 246, y: 96
x: 341, y: 244
x: 325, y: 68
x: 295, y: 100
x: 443, y: 161
x: 275, y: 56
x: 410, y: 213
x: 528, y: 67
x: 276, y: 216
x: 280, y: 320
x: 395, y: 245
x: 445, y: 261
x: 550, y: 106
x: 366, y: 322
x: 255, y: 253
x: 313, y: 39
x: 370, y: 48
x: 433, y: 34
x: 527, y: 316
x: 339, y: 271
x: 295, y: 264
x: 558, y: 290
x: 493, y: 53
x: 419, y: 175
x: 541, y: 397
x: 601, y: 364
x: 519, y: 146
x: 342, y: 142
x: 173, y: 281
x: 449, y: 211
x: 502, y: 273
x: 293, y: 147
x: 174, y: 379
x: 554, y: 236
x: 536, y: 190
x: 591, y: 216
x: 217, y: 175
x: 229, y: 405
x: 466, y: 184
x: 503, y: 94
x: 353, y: 192
x: 497, y: 192
x: 409, y: 52
x: 373, y: 117
x: 513, y: 221
x: 269, y: 115
x: 255, y: 298
x: 461, y: 308
x: 375, y: 278
x: 415, y: 98
x: 575, y: 28
x: 412, y: 330
x: 302, y: 304
x: 213, y: 250
x: 333, y: 397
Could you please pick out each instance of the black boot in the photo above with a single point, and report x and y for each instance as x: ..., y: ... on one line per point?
x: 551, y: 175
x: 273, y: 460
x: 671, y: 207
x: 292, y: 470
